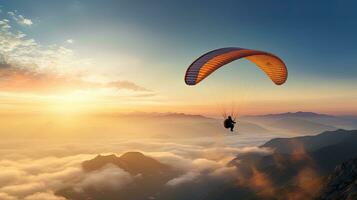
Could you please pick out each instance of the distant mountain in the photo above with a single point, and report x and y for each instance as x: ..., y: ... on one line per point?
x: 293, y: 114
x: 303, y: 123
x: 158, y: 115
x: 173, y: 125
x: 310, y: 143
x: 300, y: 126
x: 342, y: 183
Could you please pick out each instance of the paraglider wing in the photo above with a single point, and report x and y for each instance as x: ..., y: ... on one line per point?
x: 201, y: 68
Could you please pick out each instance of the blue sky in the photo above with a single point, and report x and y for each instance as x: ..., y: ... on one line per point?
x: 157, y: 40
x: 322, y: 32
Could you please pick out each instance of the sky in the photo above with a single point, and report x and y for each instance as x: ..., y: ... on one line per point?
x: 65, y: 64
x: 90, y: 56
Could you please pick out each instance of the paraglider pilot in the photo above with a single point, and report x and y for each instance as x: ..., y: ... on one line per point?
x: 229, y: 123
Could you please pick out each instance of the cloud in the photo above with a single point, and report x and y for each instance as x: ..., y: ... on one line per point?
x: 38, y: 178
x: 48, y: 168
x: 26, y: 66
x: 20, y: 19
x: 44, y: 196
x: 4, y: 196
x: 109, y: 178
x: 17, y: 79
x: 9, y: 176
x: 126, y: 85
x: 188, y: 177
x: 254, y: 150
x: 35, y: 174
x: 70, y: 41
x: 23, y: 189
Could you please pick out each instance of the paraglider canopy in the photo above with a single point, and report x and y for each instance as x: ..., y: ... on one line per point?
x: 201, y: 68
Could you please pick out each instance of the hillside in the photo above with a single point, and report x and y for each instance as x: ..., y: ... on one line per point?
x: 342, y: 183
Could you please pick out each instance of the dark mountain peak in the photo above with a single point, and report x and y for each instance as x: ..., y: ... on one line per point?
x: 100, y: 161
x: 137, y: 158
x: 106, y: 157
x: 139, y: 163
x: 342, y: 183
x: 132, y: 162
x: 133, y: 155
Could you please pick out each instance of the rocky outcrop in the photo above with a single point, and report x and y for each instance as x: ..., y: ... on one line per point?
x: 342, y: 183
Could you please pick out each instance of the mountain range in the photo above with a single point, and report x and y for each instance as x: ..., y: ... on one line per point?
x: 302, y: 123
x: 181, y: 125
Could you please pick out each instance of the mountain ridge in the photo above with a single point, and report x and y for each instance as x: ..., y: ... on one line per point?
x: 132, y: 162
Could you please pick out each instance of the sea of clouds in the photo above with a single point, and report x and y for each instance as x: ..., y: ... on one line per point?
x: 37, y: 169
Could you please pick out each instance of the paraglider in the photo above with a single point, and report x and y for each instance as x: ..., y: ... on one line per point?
x: 229, y: 123
x: 206, y: 64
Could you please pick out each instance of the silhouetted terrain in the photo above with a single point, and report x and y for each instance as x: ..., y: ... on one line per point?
x: 150, y: 177
x: 310, y: 143
x: 132, y: 162
x: 286, y: 168
x: 296, y: 162
x: 342, y: 183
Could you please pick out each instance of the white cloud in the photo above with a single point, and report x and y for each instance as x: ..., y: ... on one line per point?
x: 24, y: 189
x: 25, y: 176
x: 4, y: 25
x: 255, y: 150
x: 44, y: 196
x: 25, y: 21
x: 108, y: 178
x: 188, y: 177
x: 23, y: 52
x: 20, y: 19
x: 4, y: 196
x: 70, y: 41
x: 9, y: 176
x: 38, y: 178
x: 48, y: 69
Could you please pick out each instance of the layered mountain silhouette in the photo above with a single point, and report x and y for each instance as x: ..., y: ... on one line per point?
x: 181, y: 125
x: 300, y: 168
x: 310, y: 143
x: 301, y: 123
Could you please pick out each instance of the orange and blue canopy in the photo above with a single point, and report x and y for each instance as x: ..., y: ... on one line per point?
x: 205, y: 65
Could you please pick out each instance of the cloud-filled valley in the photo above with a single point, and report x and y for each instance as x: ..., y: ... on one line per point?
x: 42, y: 175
